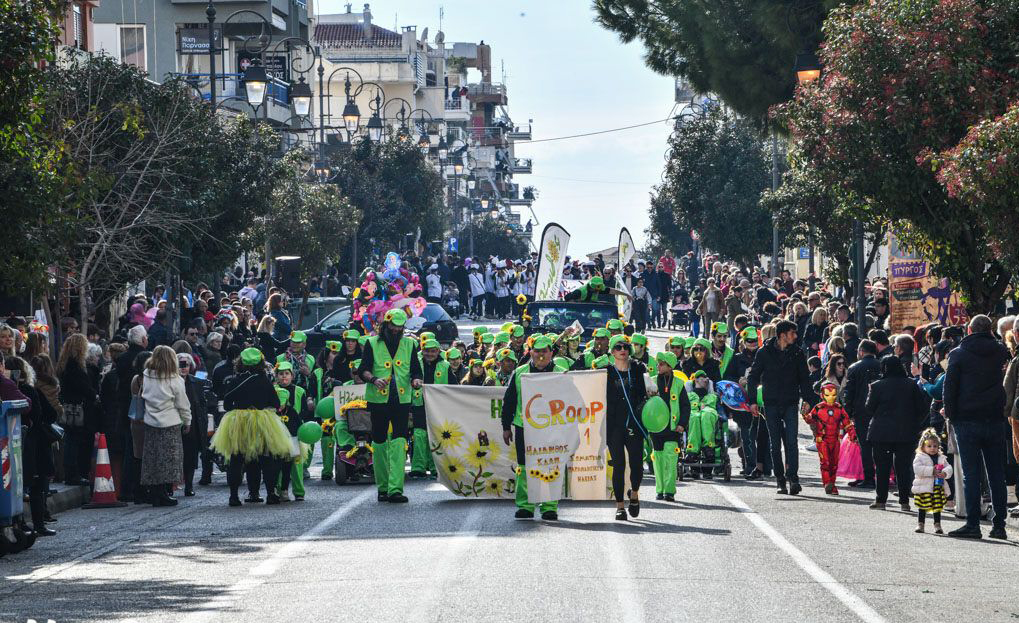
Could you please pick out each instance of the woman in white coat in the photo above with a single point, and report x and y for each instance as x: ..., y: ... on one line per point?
x: 167, y: 409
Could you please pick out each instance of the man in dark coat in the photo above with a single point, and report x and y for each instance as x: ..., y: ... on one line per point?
x: 860, y: 375
x: 974, y: 404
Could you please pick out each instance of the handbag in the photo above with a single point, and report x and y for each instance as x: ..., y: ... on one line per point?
x: 73, y: 415
x: 52, y: 433
x: 136, y: 410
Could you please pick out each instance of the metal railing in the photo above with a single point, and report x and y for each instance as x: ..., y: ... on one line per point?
x: 521, y: 165
x: 486, y: 88
x: 457, y: 104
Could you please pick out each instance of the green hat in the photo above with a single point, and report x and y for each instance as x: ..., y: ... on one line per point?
x: 362, y: 340
x: 688, y: 341
x: 476, y: 362
x: 333, y: 345
x: 298, y: 337
x: 603, y: 361
x: 597, y: 283
x: 668, y: 359
x: 506, y: 327
x: 502, y: 337
x: 541, y: 343
x: 479, y: 330
x: 698, y: 373
x: 517, y: 331
x: 396, y: 317
x: 454, y: 353
x: 719, y: 327
x: 639, y: 338
x: 602, y: 333
x: 552, y: 336
x: 283, y: 366
x: 676, y: 340
x: 616, y: 340
x: 427, y: 335
x: 749, y: 334
x: 505, y: 354
x: 251, y: 356
x: 430, y: 343
x: 614, y: 324
x: 703, y: 342
x: 351, y: 334
x: 487, y: 338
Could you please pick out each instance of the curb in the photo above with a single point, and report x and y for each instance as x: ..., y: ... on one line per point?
x: 64, y: 499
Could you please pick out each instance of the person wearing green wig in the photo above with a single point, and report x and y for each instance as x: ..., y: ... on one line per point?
x: 391, y: 368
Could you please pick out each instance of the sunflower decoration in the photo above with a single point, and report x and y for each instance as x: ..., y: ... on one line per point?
x: 453, y: 468
x: 353, y: 404
x: 495, y: 486
x: 398, y: 363
x: 327, y: 427
x: 450, y: 435
x: 481, y: 457
x: 546, y: 477
x: 387, y: 365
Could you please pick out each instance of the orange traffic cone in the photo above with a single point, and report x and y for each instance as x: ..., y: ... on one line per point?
x: 104, y: 493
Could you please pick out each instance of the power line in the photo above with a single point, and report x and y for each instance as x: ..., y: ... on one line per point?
x: 562, y: 138
x: 573, y: 179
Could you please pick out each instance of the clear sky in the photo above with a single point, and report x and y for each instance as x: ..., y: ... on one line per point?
x: 570, y: 76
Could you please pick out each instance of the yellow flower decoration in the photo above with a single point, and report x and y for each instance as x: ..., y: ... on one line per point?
x: 549, y: 477
x: 284, y: 418
x: 354, y: 404
x: 495, y: 486
x: 479, y: 456
x: 450, y: 435
x: 401, y: 390
x: 388, y: 365
x: 453, y: 468
x: 398, y: 363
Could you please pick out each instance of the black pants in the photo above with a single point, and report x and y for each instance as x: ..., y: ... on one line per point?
x: 901, y: 456
x: 265, y: 468
x: 385, y: 414
x: 77, y: 453
x: 620, y: 439
x: 867, y: 450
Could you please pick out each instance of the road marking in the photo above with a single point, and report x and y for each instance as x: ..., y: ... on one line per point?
x: 446, y: 566
x: 264, y: 570
x: 822, y: 577
x: 624, y: 582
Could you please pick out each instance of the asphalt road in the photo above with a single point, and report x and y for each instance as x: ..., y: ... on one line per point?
x: 723, y: 552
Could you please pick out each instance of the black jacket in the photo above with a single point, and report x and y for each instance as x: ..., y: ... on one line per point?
x: 973, y: 381
x: 782, y: 373
x: 710, y: 367
x: 897, y: 408
x: 124, y: 367
x: 859, y: 376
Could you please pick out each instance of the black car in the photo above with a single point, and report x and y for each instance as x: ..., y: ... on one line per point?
x: 433, y: 318
x: 555, y: 316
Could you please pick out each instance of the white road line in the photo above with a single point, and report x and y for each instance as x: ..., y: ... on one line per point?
x: 445, y: 566
x: 263, y: 571
x: 624, y: 584
x: 822, y: 577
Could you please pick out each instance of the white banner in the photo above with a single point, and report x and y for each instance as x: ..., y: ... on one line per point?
x: 626, y: 252
x: 551, y: 258
x: 564, y: 431
x: 465, y: 438
x: 342, y: 394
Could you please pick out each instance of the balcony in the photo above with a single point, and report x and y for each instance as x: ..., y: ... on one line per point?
x: 520, y: 165
x: 487, y: 93
x: 458, y: 109
x: 519, y: 134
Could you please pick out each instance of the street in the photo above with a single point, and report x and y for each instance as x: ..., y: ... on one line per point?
x: 723, y: 551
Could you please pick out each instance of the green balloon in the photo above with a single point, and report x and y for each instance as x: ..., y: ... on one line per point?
x: 309, y: 432
x: 325, y: 410
x: 655, y: 414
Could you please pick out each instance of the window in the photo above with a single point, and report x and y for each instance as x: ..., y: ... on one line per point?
x: 79, y: 28
x: 132, y: 45
x: 434, y: 313
x: 339, y: 319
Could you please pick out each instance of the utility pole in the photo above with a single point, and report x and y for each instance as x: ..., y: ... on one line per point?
x: 861, y: 296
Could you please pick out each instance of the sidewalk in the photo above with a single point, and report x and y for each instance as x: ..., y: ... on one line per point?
x: 65, y: 498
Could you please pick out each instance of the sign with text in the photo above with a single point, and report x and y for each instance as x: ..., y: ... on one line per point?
x: 915, y: 296
x: 196, y: 40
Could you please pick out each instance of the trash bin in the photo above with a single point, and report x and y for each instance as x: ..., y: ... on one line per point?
x: 14, y: 536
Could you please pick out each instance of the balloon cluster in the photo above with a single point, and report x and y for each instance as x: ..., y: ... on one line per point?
x: 393, y: 287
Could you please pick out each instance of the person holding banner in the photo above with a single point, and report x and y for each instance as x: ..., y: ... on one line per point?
x: 435, y: 371
x: 601, y: 347
x: 513, y: 427
x: 392, y: 369
x: 506, y: 360
x: 625, y: 395
x: 666, y: 443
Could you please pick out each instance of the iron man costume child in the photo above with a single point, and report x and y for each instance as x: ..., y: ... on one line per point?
x: 829, y: 421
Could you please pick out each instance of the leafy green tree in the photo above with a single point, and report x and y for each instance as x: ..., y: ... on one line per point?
x: 903, y: 83
x: 742, y: 50
x: 714, y: 177
x: 490, y: 238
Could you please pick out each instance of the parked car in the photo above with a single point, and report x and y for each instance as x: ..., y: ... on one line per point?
x: 315, y: 310
x: 433, y: 318
x: 555, y: 316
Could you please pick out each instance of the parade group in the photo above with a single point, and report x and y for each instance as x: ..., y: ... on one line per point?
x: 762, y: 356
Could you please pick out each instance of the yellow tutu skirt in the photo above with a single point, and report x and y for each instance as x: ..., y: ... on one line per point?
x: 251, y: 433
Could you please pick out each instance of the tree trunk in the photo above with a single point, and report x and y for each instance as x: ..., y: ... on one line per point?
x: 83, y: 308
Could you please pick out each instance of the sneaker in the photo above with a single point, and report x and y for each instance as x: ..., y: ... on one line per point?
x: 937, y: 529
x: 795, y: 488
x: 854, y: 483
x: 298, y: 498
x: 415, y: 475
x: 966, y: 532
x: 919, y: 529
x: 834, y: 490
x: 754, y: 475
x: 828, y: 488
x: 878, y: 506
x: 383, y: 496
x: 904, y: 506
x: 782, y: 488
x: 670, y: 497
x: 272, y: 499
x: 205, y: 481
x: 253, y: 499
x: 660, y: 496
x: 550, y: 516
x: 867, y: 485
x: 523, y: 513
x: 397, y: 498
x: 997, y: 532
x: 235, y: 501
x: 620, y: 514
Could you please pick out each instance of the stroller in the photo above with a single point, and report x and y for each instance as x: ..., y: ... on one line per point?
x: 679, y: 316
x: 451, y: 299
x: 353, y: 447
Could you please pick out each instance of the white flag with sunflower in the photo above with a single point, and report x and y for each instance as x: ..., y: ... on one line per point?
x: 465, y: 435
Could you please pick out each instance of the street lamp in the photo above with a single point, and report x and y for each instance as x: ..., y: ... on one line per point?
x: 458, y: 165
x: 484, y: 203
x: 375, y: 127
x: 807, y: 67
x: 300, y: 96
x: 351, y: 113
x: 255, y: 81
x: 443, y: 147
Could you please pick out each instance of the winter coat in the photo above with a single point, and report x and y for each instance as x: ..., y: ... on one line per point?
x: 783, y: 375
x: 166, y: 401
x: 973, y: 381
x: 923, y: 473
x: 897, y: 408
x: 859, y: 376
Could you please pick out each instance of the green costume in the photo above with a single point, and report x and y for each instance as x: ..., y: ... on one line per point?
x: 434, y: 374
x: 292, y: 399
x: 665, y: 460
x: 703, y: 420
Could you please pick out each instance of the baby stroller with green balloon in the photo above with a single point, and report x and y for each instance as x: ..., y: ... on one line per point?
x: 704, y: 448
x: 352, y: 433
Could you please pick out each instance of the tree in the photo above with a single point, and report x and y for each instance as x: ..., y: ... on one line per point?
x: 490, y: 238
x: 742, y: 50
x: 394, y: 189
x: 903, y: 83
x: 716, y: 171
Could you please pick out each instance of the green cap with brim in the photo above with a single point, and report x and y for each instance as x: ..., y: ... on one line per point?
x: 639, y: 338
x: 431, y: 343
x: 719, y: 327
x: 351, y: 334
x: 597, y: 283
x: 333, y: 345
x: 454, y: 353
x: 602, y: 333
x: 396, y: 317
x: 427, y: 335
x: 676, y: 340
x: 298, y: 337
x: 668, y: 359
x: 502, y: 337
x: 476, y: 362
x: 614, y: 324
x: 749, y: 334
x: 698, y: 373
x: 602, y: 362
x: 284, y: 366
x: 487, y: 338
x: 517, y: 331
x: 506, y: 354
x: 251, y: 356
x: 688, y: 341
x: 703, y: 342
x: 479, y: 330
x: 617, y: 340
x: 541, y: 343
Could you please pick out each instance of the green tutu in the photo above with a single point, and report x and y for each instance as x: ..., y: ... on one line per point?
x: 251, y: 433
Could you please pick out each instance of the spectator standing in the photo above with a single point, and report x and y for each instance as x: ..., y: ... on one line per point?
x: 710, y: 307
x: 274, y: 306
x: 166, y: 410
x: 80, y: 409
x: 434, y: 284
x: 974, y: 405
x: 158, y: 333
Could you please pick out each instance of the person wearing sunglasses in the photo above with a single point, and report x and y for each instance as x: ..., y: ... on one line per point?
x: 700, y: 359
x: 624, y: 396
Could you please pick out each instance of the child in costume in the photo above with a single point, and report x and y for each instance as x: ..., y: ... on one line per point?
x: 666, y: 443
x: 639, y: 343
x: 931, y: 472
x: 250, y: 435
x: 476, y: 374
x: 434, y: 371
x: 506, y: 361
x: 294, y: 411
x: 829, y: 421
x: 700, y: 437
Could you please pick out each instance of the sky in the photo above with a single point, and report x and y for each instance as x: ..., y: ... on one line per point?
x: 571, y: 76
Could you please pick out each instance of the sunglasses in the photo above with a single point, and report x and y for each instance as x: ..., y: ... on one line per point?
x: 621, y: 347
